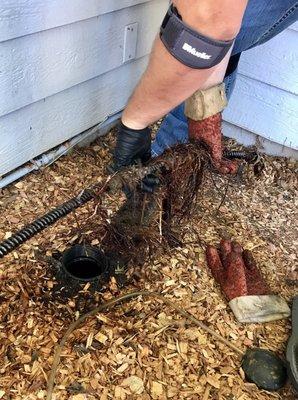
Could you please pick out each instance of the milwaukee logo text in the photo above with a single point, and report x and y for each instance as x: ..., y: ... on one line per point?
x: 187, y: 47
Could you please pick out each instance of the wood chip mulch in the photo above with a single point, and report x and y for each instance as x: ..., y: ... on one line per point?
x: 141, y: 349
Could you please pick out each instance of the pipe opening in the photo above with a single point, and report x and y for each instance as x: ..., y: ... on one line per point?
x: 84, y: 263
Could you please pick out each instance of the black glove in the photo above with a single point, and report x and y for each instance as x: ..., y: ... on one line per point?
x: 149, y: 183
x: 132, y: 145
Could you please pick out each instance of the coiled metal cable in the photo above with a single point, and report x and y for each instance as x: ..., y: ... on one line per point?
x: 250, y: 157
x: 40, y: 224
x: 10, y: 244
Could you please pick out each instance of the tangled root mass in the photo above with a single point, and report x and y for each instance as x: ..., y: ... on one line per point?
x: 146, y: 223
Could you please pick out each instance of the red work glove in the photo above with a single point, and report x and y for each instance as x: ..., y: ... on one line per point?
x: 242, y: 283
x: 235, y: 270
x: 208, y: 132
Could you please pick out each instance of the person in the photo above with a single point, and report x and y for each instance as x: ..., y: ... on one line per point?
x: 193, y: 33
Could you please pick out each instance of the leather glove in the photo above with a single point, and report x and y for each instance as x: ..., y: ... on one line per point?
x: 208, y: 132
x: 249, y: 295
x: 132, y: 145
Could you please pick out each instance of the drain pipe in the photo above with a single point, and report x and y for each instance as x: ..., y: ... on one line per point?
x: 53, y: 155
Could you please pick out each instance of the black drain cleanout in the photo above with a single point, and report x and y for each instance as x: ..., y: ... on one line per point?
x: 84, y: 263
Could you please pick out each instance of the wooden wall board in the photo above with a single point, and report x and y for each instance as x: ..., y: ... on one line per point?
x: 264, y: 110
x: 37, y: 66
x: 24, y: 17
x: 248, y: 138
x: 274, y: 63
x: 40, y: 126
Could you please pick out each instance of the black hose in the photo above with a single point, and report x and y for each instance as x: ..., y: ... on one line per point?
x: 10, y: 244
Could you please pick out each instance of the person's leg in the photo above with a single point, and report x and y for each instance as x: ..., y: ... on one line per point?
x: 172, y: 131
x: 263, y: 20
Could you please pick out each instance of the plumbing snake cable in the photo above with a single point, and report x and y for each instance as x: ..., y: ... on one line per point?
x: 23, y: 235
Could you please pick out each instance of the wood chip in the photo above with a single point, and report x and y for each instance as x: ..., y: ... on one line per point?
x: 213, y: 381
x: 156, y: 390
x: 158, y: 354
x: 135, y: 384
x: 100, y: 337
x: 122, y: 368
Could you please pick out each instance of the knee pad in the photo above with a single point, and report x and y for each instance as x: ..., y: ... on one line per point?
x: 190, y: 47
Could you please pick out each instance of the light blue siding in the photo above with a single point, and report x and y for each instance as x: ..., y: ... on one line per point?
x: 62, y: 68
x: 264, y: 106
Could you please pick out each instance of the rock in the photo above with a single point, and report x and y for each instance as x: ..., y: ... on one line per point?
x: 265, y: 369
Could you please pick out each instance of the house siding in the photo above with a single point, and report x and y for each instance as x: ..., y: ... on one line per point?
x: 264, y: 107
x: 62, y: 68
